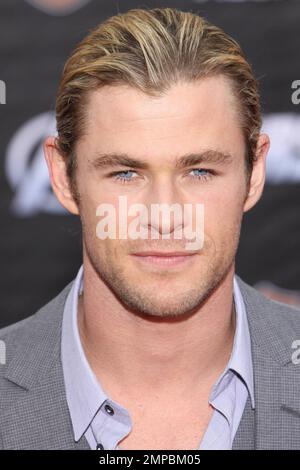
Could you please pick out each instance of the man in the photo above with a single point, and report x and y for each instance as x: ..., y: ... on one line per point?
x: 157, y: 344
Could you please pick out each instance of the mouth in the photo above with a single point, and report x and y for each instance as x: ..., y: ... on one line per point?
x: 168, y: 259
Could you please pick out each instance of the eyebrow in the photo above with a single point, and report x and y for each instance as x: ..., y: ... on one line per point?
x: 107, y: 160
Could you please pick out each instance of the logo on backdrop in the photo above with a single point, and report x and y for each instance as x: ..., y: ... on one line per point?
x: 26, y: 169
x: 58, y: 7
x: 283, y: 161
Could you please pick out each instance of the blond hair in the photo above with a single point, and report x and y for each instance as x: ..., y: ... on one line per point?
x: 151, y: 50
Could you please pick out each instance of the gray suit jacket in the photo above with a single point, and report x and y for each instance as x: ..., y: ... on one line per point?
x: 33, y: 407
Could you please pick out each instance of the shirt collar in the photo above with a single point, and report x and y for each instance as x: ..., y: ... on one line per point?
x: 84, y: 393
x: 240, y: 361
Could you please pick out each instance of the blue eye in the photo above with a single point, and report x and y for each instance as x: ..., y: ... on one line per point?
x: 123, y: 176
x: 126, y: 176
x: 202, y: 174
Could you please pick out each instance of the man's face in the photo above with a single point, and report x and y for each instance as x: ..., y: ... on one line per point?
x: 189, y: 119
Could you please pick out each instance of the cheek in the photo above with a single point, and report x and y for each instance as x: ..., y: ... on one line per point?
x: 92, y: 197
x: 223, y: 217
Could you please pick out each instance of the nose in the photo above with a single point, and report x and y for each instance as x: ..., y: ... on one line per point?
x: 165, y: 209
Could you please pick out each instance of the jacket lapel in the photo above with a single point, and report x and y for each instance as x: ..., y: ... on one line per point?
x: 45, y: 408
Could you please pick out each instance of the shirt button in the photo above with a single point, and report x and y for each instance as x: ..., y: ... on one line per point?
x: 99, y: 447
x: 109, y: 410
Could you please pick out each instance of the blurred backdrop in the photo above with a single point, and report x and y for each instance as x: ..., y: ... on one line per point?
x: 40, y: 244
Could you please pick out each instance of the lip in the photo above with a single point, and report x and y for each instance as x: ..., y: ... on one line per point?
x: 168, y: 259
x: 163, y: 253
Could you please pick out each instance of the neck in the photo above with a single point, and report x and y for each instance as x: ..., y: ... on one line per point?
x: 151, y: 355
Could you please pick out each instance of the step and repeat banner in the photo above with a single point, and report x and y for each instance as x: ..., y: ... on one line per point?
x: 40, y: 244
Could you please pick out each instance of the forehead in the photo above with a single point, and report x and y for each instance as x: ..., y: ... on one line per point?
x: 125, y: 104
x: 124, y: 118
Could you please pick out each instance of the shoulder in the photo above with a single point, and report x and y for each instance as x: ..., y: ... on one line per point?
x: 39, y: 318
x: 270, y: 322
x: 272, y: 308
x: 27, y: 336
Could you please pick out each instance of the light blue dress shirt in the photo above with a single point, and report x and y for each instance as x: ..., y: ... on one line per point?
x: 105, y: 422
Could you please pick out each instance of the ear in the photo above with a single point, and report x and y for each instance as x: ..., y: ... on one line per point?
x: 58, y: 175
x: 258, y: 176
